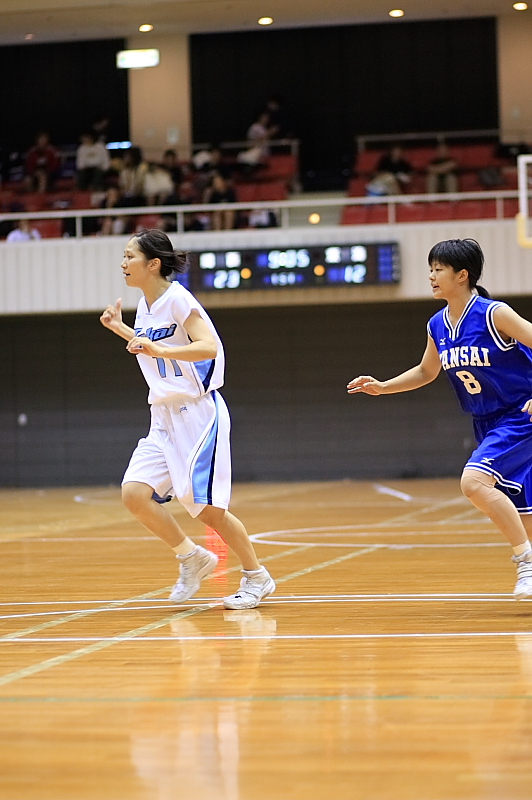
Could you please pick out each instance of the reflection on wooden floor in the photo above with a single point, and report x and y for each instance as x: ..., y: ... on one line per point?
x: 391, y: 664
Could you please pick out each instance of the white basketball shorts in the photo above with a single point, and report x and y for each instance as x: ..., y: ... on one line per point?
x: 186, y: 453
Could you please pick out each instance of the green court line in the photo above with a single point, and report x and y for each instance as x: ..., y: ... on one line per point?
x: 340, y: 698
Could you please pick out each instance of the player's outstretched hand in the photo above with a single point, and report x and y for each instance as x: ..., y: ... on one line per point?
x: 112, y: 316
x: 366, y: 384
x: 527, y: 408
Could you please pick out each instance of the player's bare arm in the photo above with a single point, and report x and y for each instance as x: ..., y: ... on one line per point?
x: 425, y: 372
x: 201, y: 348
x: 512, y: 326
x: 112, y: 319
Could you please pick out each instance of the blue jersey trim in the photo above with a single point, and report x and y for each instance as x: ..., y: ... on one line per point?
x: 203, y: 470
x: 510, y: 485
x: 205, y: 370
x: 495, y: 335
x: 453, y: 332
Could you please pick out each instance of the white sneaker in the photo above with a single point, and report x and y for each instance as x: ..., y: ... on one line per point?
x: 193, y: 568
x: 254, y: 586
x: 523, y: 587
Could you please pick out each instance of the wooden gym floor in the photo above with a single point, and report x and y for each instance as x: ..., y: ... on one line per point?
x: 391, y: 664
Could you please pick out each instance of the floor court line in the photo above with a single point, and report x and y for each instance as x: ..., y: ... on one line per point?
x: 118, y: 603
x: 132, y: 635
x: 138, y: 637
x: 283, y: 698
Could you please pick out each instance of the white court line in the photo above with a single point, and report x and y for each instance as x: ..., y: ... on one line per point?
x: 116, y: 603
x: 392, y: 492
x: 138, y: 632
x: 127, y: 637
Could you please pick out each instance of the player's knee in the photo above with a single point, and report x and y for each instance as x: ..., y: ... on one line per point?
x: 471, y: 483
x: 135, y: 496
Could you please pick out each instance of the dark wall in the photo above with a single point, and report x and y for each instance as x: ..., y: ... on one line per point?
x: 343, y: 81
x: 61, y: 88
x: 85, y: 398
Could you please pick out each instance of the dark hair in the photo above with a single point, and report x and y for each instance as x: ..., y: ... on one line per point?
x: 156, y: 244
x: 461, y: 254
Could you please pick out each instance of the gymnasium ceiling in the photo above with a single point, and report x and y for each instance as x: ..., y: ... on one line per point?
x: 64, y: 20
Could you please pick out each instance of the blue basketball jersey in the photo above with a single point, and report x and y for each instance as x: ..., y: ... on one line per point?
x: 488, y: 374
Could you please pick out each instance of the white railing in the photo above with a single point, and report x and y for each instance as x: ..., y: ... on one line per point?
x: 432, y: 136
x: 281, y: 207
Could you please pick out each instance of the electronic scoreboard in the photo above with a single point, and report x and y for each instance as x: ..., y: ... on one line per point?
x: 332, y: 265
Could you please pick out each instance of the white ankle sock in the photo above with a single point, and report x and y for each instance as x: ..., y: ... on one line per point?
x: 521, y: 549
x: 185, y: 548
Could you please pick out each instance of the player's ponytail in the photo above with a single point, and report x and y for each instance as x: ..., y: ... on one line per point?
x: 156, y: 244
x: 461, y: 254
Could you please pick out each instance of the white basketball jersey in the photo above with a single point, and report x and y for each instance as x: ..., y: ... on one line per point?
x: 163, y: 323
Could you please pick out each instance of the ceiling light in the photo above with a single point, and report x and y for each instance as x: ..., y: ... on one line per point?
x: 137, y: 59
x: 265, y: 21
x: 520, y: 6
x: 396, y: 12
x: 145, y: 28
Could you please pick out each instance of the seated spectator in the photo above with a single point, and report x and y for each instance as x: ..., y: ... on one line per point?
x: 262, y: 218
x: 171, y: 164
x: 92, y: 162
x: 23, y: 232
x: 281, y: 124
x: 221, y: 192
x: 158, y: 185
x: 259, y: 133
x: 396, y: 166
x: 442, y: 172
x: 211, y: 161
x: 41, y: 165
x: 382, y: 184
x: 131, y: 178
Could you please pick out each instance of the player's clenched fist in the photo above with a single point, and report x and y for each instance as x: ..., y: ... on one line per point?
x: 366, y: 384
x: 112, y: 316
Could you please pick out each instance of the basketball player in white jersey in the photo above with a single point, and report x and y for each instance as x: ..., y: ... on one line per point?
x: 187, y: 452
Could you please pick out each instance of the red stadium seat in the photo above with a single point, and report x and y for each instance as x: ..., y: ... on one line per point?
x: 149, y: 221
x: 34, y: 202
x: 410, y: 212
x: 377, y: 214
x: 49, y: 228
x: 354, y: 215
x: 272, y: 191
x: 474, y: 209
x: 439, y: 210
x: 246, y: 192
x: 511, y: 207
x: 476, y: 156
x: 468, y: 182
x: 280, y: 166
x: 419, y: 157
x: 81, y: 199
x: 357, y: 187
x: 367, y: 161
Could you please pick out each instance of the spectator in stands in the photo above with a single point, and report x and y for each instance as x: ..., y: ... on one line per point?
x: 92, y: 162
x: 158, y: 185
x: 42, y: 164
x: 171, y: 164
x: 262, y: 218
x: 23, y: 232
x: 100, y: 128
x: 399, y: 170
x: 280, y: 123
x: 221, y: 192
x: 131, y: 178
x: 259, y: 133
x: 442, y: 172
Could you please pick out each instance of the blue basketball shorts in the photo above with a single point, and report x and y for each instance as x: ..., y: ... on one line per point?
x: 505, y: 451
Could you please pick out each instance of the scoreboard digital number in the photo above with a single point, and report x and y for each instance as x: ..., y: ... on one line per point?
x: 332, y: 265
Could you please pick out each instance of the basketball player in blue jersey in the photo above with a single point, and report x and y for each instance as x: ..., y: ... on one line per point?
x: 187, y: 452
x: 484, y: 347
